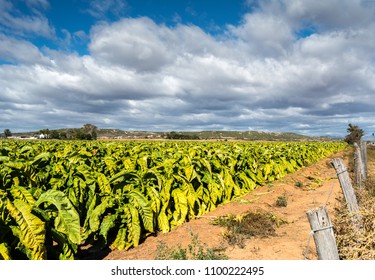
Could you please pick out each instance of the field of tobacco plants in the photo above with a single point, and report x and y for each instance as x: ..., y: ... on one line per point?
x: 57, y: 197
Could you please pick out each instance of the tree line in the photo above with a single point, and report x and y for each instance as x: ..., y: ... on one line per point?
x: 86, y: 132
x: 89, y: 132
x: 181, y: 136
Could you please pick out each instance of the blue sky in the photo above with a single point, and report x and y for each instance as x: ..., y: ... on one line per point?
x: 72, y: 16
x: 269, y: 65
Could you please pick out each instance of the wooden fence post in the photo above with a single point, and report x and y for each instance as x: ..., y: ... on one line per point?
x: 324, y: 237
x: 358, y: 165
x: 346, y: 185
x: 363, y: 148
x: 348, y: 191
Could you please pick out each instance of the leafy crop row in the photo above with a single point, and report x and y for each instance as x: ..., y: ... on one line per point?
x: 58, y: 196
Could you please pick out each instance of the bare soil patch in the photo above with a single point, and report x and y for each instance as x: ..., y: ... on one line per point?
x: 310, y: 187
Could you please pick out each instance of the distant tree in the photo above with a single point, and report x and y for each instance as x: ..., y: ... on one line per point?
x: 90, y: 130
x: 54, y: 134
x: 87, y: 132
x: 80, y: 135
x: 172, y: 135
x: 70, y: 134
x: 7, y: 133
x: 63, y: 135
x: 355, y: 134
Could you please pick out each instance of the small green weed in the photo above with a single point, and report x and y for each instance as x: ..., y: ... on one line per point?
x: 195, y: 251
x: 282, y: 201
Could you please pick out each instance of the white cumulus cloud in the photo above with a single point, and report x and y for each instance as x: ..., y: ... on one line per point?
x: 264, y: 73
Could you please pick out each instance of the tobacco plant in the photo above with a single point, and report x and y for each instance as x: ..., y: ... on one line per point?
x: 57, y: 197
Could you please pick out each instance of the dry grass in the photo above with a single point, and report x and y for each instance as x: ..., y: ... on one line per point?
x: 352, y: 243
x: 242, y: 227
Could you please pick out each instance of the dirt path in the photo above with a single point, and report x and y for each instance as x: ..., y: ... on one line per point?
x: 307, y: 188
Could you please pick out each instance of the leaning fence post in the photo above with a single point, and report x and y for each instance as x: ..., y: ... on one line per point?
x: 346, y: 185
x: 323, y: 234
x: 348, y: 191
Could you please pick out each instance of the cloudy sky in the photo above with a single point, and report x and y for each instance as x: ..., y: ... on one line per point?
x: 301, y: 66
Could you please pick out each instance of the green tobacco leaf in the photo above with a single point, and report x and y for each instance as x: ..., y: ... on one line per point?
x: 104, y: 184
x: 267, y: 170
x: 97, y: 213
x: 206, y: 164
x: 23, y: 194
x: 26, y: 148
x: 31, y: 229
x: 155, y: 199
x: 4, y: 252
x: 67, y: 249
x: 145, y: 211
x: 85, y: 153
x: 129, y: 164
x: 4, y: 158
x: 249, y: 184
x: 163, y: 222
x: 229, y: 185
x: 120, y: 241
x: 142, y: 162
x: 15, y: 165
x: 190, y: 172
x: 89, y: 208
x: 111, y: 165
x: 122, y: 177
x: 134, y: 226
x: 67, y: 220
x: 108, y: 223
x: 41, y: 157
x: 181, y: 207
